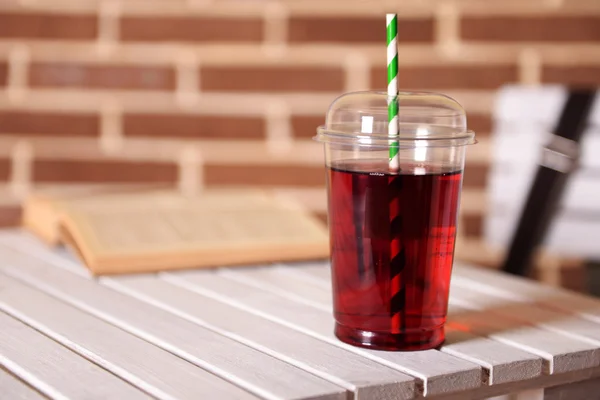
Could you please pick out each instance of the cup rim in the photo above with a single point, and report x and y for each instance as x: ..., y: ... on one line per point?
x: 328, y: 136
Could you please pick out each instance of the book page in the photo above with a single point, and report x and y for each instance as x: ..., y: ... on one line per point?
x: 42, y: 208
x: 135, y: 232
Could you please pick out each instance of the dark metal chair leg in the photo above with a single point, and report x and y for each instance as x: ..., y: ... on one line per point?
x: 559, y: 159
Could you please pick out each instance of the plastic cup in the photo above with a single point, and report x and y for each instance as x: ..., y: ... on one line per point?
x: 392, y: 233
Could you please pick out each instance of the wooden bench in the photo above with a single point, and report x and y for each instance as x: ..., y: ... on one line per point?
x: 251, y: 333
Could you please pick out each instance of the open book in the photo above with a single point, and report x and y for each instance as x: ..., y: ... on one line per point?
x: 161, y: 230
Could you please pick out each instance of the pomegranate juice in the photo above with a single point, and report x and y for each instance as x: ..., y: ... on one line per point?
x: 392, y: 246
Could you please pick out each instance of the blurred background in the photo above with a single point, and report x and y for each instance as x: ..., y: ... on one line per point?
x: 201, y: 93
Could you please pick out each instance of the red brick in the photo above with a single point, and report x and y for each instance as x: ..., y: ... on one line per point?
x: 110, y: 171
x: 356, y: 30
x: 272, y: 79
x: 194, y: 126
x: 47, y: 123
x: 4, y: 169
x: 3, y: 73
x: 48, y: 26
x: 453, y: 77
x: 10, y: 216
x: 191, y: 29
x: 472, y: 225
x: 305, y: 126
x: 264, y: 175
x: 587, y: 76
x: 102, y: 76
x: 542, y: 29
x: 481, y: 124
x: 475, y: 175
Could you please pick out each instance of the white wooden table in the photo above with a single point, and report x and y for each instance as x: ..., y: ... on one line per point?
x: 252, y: 333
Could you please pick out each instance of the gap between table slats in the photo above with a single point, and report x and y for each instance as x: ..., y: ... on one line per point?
x: 252, y: 370
x: 53, y: 369
x: 154, y: 370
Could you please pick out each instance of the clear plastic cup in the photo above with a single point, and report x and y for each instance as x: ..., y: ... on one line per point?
x: 392, y: 233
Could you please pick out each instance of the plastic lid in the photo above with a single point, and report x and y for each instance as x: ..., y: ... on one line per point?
x: 430, y: 119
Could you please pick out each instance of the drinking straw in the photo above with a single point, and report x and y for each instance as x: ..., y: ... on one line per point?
x: 392, y: 88
x: 397, y: 255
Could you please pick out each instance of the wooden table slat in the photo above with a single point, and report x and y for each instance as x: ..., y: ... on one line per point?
x: 441, y: 373
x: 320, y: 272
x: 501, y: 303
x: 559, y: 311
x: 268, y: 333
x: 53, y: 369
x: 366, y: 378
x: 560, y: 299
x: 250, y: 369
x: 156, y: 371
x: 276, y: 279
x: 560, y: 353
x: 502, y: 362
x: 13, y: 388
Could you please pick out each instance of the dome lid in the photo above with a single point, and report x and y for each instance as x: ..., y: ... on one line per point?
x: 430, y: 119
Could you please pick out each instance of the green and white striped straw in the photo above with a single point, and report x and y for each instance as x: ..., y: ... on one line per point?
x: 392, y: 89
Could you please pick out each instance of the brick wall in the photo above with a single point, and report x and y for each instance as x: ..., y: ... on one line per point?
x: 156, y: 90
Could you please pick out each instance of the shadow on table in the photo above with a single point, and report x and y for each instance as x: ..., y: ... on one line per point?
x: 507, y: 315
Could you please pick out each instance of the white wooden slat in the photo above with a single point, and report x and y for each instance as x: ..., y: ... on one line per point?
x: 14, y: 389
x: 503, y: 386
x: 276, y: 280
x: 54, y: 370
x: 368, y: 379
x: 156, y: 371
x: 502, y: 363
x: 317, y: 273
x: 561, y: 354
x: 440, y: 373
x: 509, y: 303
x: 250, y: 369
x: 561, y: 299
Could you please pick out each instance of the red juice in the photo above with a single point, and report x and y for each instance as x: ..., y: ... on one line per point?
x: 392, y: 246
